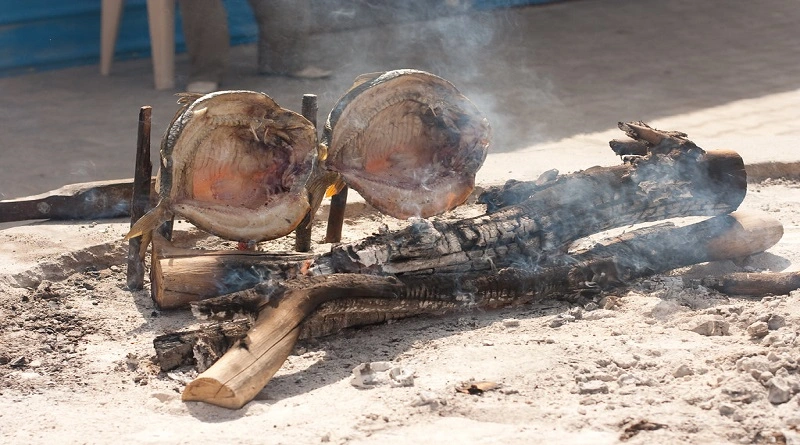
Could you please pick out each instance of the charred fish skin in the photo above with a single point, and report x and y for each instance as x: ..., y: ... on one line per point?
x: 408, y: 141
x: 235, y: 164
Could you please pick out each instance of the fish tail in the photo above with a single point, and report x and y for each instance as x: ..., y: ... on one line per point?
x: 317, y: 186
x: 150, y: 221
x: 335, y: 188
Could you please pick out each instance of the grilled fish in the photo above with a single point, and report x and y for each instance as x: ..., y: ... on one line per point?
x: 408, y: 141
x: 235, y: 164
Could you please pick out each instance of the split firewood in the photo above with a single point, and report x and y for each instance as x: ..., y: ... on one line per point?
x: 311, y: 303
x: 180, y: 276
x: 81, y: 201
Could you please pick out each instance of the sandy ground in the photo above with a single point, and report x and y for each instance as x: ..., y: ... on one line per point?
x: 76, y: 346
x: 76, y: 359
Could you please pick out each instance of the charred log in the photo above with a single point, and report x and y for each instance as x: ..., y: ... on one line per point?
x: 561, y: 211
x: 606, y: 265
x: 82, y: 201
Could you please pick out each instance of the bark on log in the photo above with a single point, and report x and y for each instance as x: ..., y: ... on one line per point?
x: 254, y: 359
x: 82, y: 201
x: 180, y: 276
x: 754, y: 284
x: 584, y: 203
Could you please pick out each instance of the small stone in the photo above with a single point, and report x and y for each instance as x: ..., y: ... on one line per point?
x: 683, y: 371
x: 35, y: 363
x: 567, y: 318
x: 18, y: 362
x: 591, y: 306
x: 114, y: 268
x: 793, y: 422
x: 758, y: 329
x: 779, y: 391
x: 401, y: 377
x: 426, y: 398
x: 748, y: 364
x: 603, y: 376
x: 368, y: 375
x: 776, y: 322
x: 602, y: 362
x: 599, y: 314
x: 709, y: 325
x: 625, y: 361
x: 576, y: 313
x: 511, y: 323
x: 727, y: 409
x: 557, y: 323
x: 610, y: 302
x: 46, y: 290
x: 763, y: 377
x: 629, y: 380
x: 593, y: 387
x: 487, y: 343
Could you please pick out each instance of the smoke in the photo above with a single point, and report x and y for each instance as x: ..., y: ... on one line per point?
x: 235, y: 278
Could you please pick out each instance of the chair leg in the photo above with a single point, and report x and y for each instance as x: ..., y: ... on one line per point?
x: 111, y: 13
x: 161, y: 17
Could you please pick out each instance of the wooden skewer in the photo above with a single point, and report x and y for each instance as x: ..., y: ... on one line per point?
x: 302, y: 242
x: 336, y: 216
x: 140, y: 199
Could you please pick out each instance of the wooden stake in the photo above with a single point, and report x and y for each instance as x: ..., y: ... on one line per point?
x: 333, y: 232
x: 302, y: 242
x: 140, y: 199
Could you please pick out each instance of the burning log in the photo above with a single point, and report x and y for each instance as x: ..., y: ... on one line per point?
x: 573, y: 206
x: 478, y: 262
x: 615, y: 262
x: 309, y: 305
